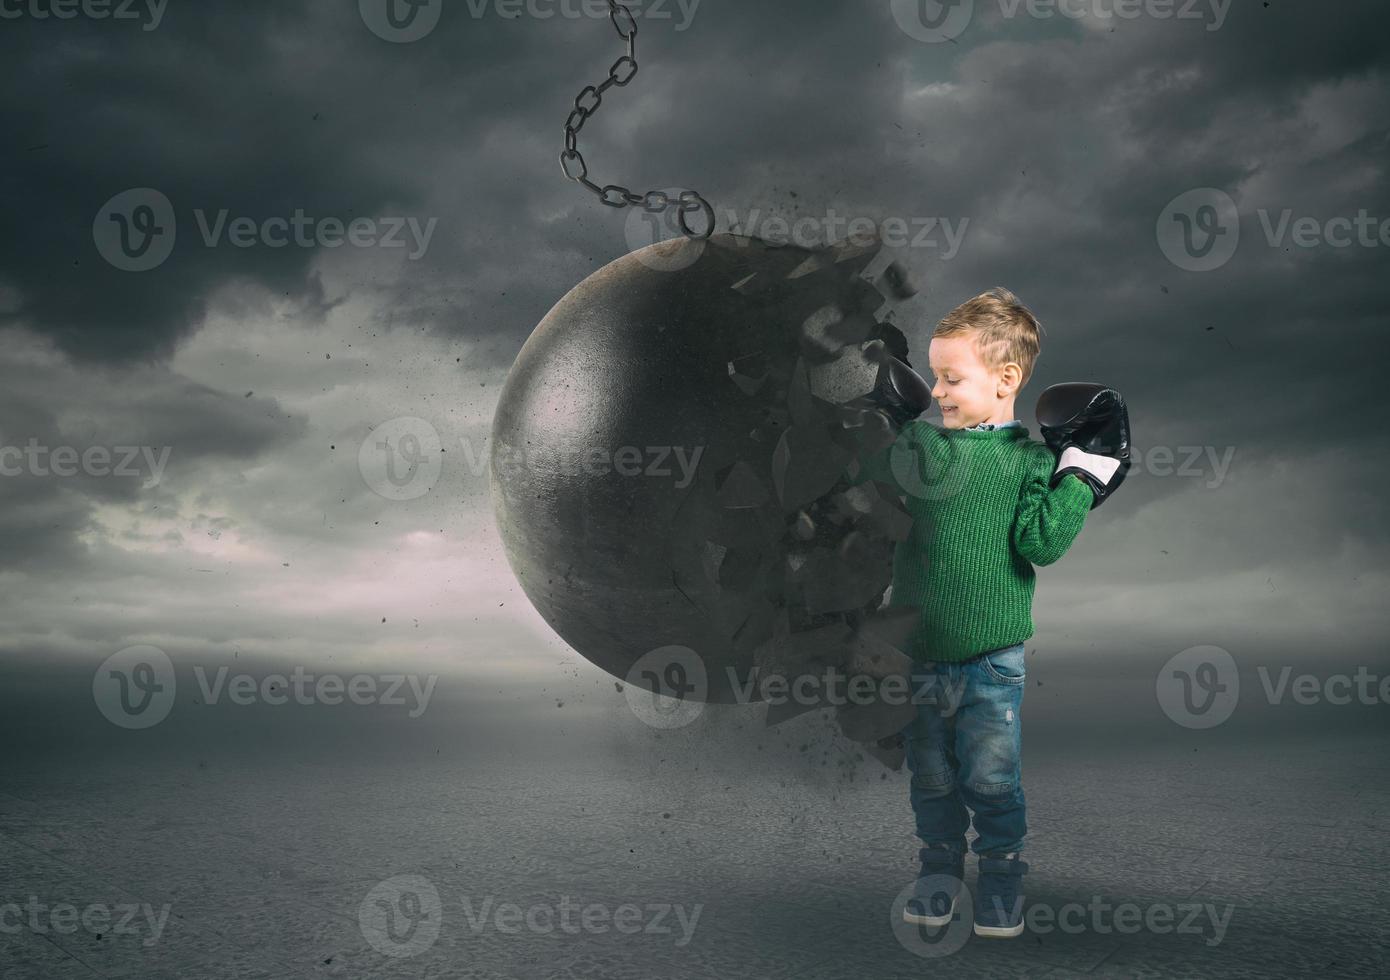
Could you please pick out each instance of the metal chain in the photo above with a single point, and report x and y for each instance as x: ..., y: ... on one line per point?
x: 587, y: 103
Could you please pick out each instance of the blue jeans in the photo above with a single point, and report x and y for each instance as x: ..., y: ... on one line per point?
x: 963, y: 751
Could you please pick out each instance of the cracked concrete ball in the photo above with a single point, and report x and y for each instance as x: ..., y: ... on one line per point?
x: 669, y: 460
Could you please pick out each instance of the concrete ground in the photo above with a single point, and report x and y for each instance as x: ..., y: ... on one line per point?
x: 1184, y: 855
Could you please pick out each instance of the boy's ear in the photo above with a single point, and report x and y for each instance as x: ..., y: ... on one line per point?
x: 1011, y: 375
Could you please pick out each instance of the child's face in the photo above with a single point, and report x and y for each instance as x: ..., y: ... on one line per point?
x: 966, y: 390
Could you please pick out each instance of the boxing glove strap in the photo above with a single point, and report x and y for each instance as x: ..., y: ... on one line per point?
x: 1101, y: 467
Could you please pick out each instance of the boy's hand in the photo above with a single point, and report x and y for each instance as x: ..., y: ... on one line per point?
x: 1087, y: 426
x: 902, y: 393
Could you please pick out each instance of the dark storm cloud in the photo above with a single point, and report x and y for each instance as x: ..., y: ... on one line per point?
x: 265, y: 110
x: 259, y: 109
x: 72, y: 440
x: 1064, y: 151
x: 1059, y: 143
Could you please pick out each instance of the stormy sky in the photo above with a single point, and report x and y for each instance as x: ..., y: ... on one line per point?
x: 1047, y: 148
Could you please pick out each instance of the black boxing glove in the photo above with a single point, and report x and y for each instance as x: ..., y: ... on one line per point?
x: 901, y: 393
x: 1087, y: 427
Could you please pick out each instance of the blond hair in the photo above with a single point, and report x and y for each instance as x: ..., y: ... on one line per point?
x: 1003, y: 328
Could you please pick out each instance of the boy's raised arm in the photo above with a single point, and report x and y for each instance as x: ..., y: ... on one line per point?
x: 1048, y: 520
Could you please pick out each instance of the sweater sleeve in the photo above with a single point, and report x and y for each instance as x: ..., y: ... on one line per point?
x: 1048, y: 520
x: 879, y: 466
x: 875, y: 467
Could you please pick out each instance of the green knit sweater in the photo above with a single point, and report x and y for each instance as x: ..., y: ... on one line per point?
x: 983, y: 516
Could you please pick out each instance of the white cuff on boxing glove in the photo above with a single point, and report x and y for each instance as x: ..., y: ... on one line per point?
x: 1100, y: 467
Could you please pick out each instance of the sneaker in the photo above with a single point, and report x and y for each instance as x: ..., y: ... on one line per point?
x: 998, y: 900
x: 939, y: 884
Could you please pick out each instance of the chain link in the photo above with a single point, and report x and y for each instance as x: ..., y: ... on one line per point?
x: 587, y: 103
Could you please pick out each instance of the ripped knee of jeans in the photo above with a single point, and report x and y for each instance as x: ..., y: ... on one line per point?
x: 994, y: 792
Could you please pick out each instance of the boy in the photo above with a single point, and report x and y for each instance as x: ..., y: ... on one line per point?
x: 985, y: 513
